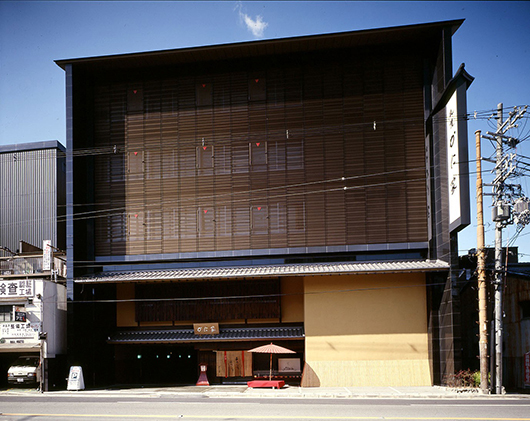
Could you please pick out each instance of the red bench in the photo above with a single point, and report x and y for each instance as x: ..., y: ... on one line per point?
x: 278, y: 384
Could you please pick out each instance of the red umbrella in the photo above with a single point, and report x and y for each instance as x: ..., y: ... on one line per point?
x: 271, y: 349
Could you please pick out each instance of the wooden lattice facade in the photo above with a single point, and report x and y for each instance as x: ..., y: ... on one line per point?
x: 294, y: 153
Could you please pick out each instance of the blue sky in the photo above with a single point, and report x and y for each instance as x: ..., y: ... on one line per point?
x: 493, y: 43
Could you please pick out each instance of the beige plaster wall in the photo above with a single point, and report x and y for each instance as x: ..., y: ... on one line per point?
x: 292, y: 300
x: 366, y: 330
x: 125, y: 310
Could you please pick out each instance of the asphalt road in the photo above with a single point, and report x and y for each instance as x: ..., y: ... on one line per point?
x: 154, y: 407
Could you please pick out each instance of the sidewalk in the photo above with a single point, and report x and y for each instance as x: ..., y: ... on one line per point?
x: 242, y: 391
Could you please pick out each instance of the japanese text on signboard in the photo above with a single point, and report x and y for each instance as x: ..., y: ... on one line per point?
x: 206, y: 329
x: 16, y: 288
x: 19, y: 330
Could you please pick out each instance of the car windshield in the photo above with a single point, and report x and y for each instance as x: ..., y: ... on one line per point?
x: 26, y: 361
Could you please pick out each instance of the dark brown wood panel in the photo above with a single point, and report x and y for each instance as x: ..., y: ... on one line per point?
x: 331, y: 153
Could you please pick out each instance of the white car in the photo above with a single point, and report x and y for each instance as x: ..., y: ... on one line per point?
x: 25, y: 370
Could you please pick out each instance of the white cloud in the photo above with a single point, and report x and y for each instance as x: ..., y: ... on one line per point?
x: 256, y: 26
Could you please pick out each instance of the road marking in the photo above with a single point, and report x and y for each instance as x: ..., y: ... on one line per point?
x: 258, y: 417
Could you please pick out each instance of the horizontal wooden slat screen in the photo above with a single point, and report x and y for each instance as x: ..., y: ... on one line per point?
x: 164, y: 302
x: 333, y: 152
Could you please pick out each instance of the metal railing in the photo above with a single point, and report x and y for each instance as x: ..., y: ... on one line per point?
x: 29, y: 265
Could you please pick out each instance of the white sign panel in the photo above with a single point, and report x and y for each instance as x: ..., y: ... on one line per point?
x: 286, y: 365
x: 457, y: 159
x: 75, y: 379
x: 16, y: 288
x: 47, y: 255
x: 453, y: 159
x: 11, y: 330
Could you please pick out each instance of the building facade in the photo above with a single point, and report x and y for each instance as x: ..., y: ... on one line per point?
x: 297, y: 191
x: 32, y: 194
x: 515, y: 321
x: 33, y: 282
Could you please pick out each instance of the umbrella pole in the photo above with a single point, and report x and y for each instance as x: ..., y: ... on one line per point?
x: 270, y: 372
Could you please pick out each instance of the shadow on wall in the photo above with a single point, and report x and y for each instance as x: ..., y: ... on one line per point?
x: 309, y: 377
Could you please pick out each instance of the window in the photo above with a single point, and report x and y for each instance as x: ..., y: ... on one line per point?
x: 135, y: 99
x: 188, y: 222
x: 222, y: 159
x: 154, y: 225
x: 258, y: 154
x: 203, y: 93
x: 295, y: 154
x: 135, y: 162
x: 241, y: 218
x: 296, y: 217
x: 171, y: 223
x: 259, y: 216
x: 204, y: 156
x: 223, y: 221
x: 240, y: 158
x: 117, y: 170
x: 257, y: 88
x: 152, y: 164
x: 278, y: 218
x: 206, y: 221
x: 6, y: 313
x: 116, y: 228
x: 276, y: 156
x: 136, y: 226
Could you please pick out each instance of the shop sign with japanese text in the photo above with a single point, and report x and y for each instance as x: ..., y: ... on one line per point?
x: 206, y: 328
x: 47, y: 255
x: 16, y: 288
x: 19, y: 330
x: 20, y: 314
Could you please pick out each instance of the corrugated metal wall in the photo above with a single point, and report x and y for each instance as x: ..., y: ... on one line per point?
x: 28, y: 197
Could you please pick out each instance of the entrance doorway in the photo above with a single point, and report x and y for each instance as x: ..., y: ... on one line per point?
x: 162, y: 364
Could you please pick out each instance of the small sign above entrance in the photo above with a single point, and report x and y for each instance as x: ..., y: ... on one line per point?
x: 206, y: 328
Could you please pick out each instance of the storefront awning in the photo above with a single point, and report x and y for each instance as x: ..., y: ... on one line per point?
x: 19, y: 347
x: 267, y: 271
x: 152, y: 336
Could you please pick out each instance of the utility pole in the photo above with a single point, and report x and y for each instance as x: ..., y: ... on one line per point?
x: 498, y: 192
x: 481, y: 275
x: 505, y: 196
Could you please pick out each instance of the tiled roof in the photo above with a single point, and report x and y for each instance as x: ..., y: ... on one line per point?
x: 187, y: 335
x: 265, y: 271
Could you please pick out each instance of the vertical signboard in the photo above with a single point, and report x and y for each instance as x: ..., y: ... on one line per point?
x: 47, y: 255
x: 457, y: 160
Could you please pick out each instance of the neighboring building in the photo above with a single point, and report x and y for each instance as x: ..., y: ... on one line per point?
x: 33, y: 292
x: 295, y: 191
x: 32, y: 194
x: 516, y: 320
x: 33, y: 312
x: 516, y: 373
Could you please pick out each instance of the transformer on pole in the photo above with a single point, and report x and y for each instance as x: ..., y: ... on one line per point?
x: 509, y: 206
